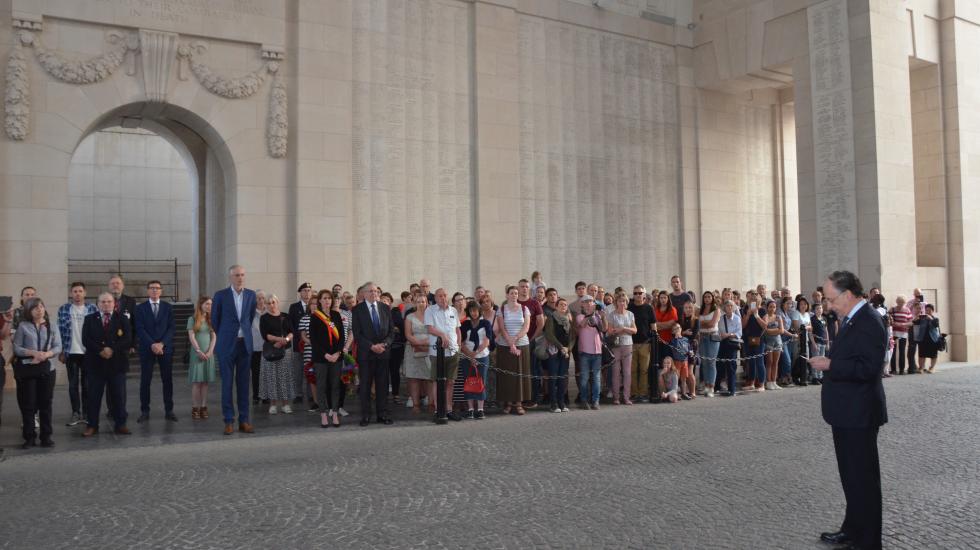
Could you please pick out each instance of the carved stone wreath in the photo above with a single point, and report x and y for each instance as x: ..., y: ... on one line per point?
x: 101, y: 67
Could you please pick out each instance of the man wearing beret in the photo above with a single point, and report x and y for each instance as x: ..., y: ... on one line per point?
x: 296, y: 312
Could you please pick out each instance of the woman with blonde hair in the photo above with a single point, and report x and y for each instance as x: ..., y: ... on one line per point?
x: 201, y: 369
x: 276, y: 384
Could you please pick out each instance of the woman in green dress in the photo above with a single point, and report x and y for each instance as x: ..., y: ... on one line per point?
x: 202, y: 363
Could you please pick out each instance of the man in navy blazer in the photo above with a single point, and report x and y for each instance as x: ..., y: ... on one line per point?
x: 107, y: 337
x: 373, y: 333
x: 155, y: 328
x: 853, y: 403
x: 232, y: 313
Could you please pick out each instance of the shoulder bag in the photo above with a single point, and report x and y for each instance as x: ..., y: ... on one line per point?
x: 25, y: 371
x: 473, y: 382
x: 269, y: 350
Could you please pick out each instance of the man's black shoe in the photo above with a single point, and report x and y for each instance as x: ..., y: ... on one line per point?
x: 143, y: 418
x: 388, y: 422
x: 839, y: 537
x: 171, y: 417
x: 364, y: 422
x: 453, y: 416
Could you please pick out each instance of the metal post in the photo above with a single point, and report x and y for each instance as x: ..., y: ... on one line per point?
x: 440, y: 383
x: 176, y: 282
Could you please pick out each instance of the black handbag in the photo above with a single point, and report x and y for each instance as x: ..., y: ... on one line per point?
x: 25, y: 371
x: 270, y: 352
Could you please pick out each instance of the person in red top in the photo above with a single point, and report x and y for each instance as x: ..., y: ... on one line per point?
x: 901, y: 326
x: 666, y: 317
x: 537, y: 325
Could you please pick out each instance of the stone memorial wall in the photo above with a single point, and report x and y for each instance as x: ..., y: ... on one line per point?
x: 412, y: 184
x: 598, y: 155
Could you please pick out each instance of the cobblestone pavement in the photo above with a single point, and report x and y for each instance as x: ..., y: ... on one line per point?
x: 754, y: 471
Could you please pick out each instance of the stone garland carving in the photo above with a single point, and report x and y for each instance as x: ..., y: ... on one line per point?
x: 87, y: 71
x: 17, y: 100
x: 278, y: 124
x: 230, y: 88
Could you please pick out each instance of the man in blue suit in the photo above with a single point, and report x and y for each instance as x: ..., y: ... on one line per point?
x: 853, y: 403
x: 155, y: 328
x: 232, y: 312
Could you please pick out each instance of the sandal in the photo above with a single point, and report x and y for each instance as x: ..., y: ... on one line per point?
x: 615, y: 401
x: 336, y: 420
x: 507, y: 409
x: 521, y: 411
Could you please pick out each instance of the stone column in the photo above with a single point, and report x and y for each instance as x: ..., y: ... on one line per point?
x: 960, y: 75
x: 854, y: 145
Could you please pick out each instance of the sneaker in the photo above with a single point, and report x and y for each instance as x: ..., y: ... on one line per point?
x: 425, y: 401
x: 451, y: 415
x: 37, y: 421
x: 565, y: 409
x: 273, y: 409
x: 583, y: 405
x: 480, y: 415
x: 75, y: 419
x: 686, y: 396
x: 470, y: 415
x: 555, y: 409
x: 408, y: 403
x: 343, y: 412
x: 709, y: 393
x: 595, y: 406
x: 314, y: 408
x: 286, y: 409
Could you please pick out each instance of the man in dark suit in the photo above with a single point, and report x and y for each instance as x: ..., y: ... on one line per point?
x: 232, y: 313
x: 296, y: 312
x: 107, y: 338
x: 155, y: 327
x: 853, y: 403
x: 125, y: 306
x: 373, y: 334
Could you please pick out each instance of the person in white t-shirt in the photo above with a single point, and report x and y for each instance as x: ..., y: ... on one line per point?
x: 71, y: 317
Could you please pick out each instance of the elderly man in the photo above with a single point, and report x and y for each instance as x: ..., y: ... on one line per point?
x: 373, y: 332
x: 232, y: 313
x: 853, y: 403
x: 442, y: 321
x: 107, y: 337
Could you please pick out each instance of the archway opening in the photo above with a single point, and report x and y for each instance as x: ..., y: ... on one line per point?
x: 147, y: 198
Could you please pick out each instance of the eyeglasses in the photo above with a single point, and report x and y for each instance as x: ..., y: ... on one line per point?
x: 637, y: 294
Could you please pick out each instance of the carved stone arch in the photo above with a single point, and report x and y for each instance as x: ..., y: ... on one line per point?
x: 211, y: 167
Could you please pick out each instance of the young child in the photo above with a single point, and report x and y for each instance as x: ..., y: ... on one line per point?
x: 680, y: 351
x: 668, y: 381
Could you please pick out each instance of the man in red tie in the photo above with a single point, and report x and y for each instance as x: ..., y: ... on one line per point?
x: 107, y: 337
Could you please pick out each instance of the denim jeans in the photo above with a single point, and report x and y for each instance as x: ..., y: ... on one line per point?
x: 77, y: 378
x: 729, y: 367
x: 589, y: 368
x: 785, y: 359
x: 557, y: 366
x: 536, y: 372
x: 756, y: 365
x: 709, y: 351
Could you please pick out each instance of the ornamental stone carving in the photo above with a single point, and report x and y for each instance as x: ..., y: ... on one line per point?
x: 278, y: 123
x: 17, y: 99
x: 230, y: 88
x: 87, y: 71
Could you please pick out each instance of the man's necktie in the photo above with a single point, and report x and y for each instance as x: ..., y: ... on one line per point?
x: 843, y: 325
x: 156, y: 309
x: 105, y: 322
x: 375, y: 319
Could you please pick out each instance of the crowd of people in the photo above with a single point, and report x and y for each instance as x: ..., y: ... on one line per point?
x: 658, y: 345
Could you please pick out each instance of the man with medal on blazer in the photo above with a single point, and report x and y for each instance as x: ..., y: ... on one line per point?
x: 107, y: 336
x: 853, y: 403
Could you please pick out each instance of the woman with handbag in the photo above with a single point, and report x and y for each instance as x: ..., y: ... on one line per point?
x: 730, y: 331
x: 276, y: 369
x: 927, y: 335
x: 35, y: 343
x: 753, y: 327
x: 326, y: 353
x: 416, y: 364
x: 475, y: 333
x: 620, y: 327
x: 561, y: 340
x: 514, y: 356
